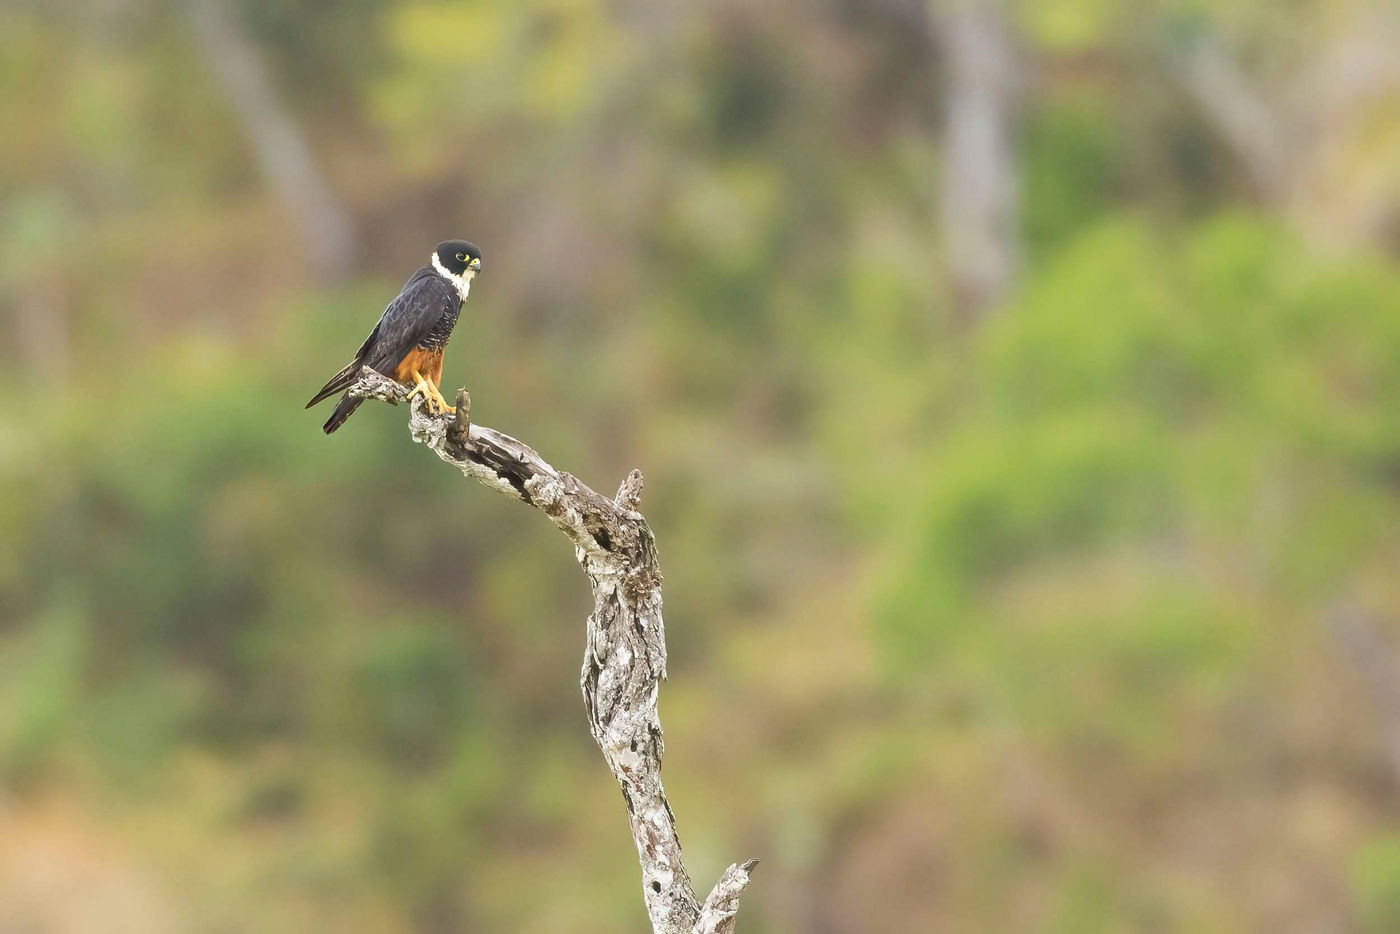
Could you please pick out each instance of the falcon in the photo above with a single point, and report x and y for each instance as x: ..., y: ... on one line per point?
x: 407, y: 343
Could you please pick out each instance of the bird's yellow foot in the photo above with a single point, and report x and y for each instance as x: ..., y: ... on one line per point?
x: 421, y: 387
x: 441, y: 402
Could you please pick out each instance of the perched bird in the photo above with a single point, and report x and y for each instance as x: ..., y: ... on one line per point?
x: 408, y: 341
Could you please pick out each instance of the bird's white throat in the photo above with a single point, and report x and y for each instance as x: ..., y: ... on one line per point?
x: 463, y: 284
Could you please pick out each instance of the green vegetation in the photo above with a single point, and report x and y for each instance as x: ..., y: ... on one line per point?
x: 1024, y: 624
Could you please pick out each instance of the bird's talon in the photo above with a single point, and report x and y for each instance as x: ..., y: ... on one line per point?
x: 421, y: 387
x: 436, y: 403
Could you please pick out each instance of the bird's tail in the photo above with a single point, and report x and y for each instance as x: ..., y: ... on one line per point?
x: 343, y: 410
x: 337, y: 383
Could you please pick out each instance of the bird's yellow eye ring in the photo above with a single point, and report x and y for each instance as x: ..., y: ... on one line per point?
x: 462, y: 257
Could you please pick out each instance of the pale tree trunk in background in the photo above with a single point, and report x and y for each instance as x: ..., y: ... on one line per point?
x: 1304, y: 149
x: 1370, y: 653
x: 980, y: 235
x: 1347, y: 106
x: 281, y: 148
x: 1239, y: 114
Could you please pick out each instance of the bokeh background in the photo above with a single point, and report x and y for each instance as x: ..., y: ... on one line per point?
x: 1018, y: 390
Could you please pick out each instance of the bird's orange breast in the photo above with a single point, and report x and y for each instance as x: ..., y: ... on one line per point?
x: 425, y: 361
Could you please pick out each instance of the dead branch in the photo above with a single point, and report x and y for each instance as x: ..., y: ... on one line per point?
x: 624, y: 658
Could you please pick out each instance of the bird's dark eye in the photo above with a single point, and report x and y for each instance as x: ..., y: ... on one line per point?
x: 462, y: 257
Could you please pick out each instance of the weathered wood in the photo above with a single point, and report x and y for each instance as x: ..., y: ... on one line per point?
x: 624, y: 659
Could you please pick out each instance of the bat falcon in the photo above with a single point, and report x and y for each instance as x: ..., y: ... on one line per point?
x: 407, y: 343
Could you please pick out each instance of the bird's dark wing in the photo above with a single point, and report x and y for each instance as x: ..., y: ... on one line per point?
x: 424, y: 300
x: 407, y: 320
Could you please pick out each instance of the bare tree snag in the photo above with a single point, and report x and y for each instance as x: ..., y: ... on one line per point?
x: 624, y: 658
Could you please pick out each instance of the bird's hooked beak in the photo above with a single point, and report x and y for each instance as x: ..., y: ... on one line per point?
x: 475, y: 264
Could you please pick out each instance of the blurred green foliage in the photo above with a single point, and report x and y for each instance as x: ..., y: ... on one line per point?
x: 1019, y: 626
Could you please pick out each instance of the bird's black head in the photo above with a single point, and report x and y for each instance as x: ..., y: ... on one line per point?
x: 459, y: 257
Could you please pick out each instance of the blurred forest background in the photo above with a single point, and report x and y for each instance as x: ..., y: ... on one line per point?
x: 1018, y: 390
